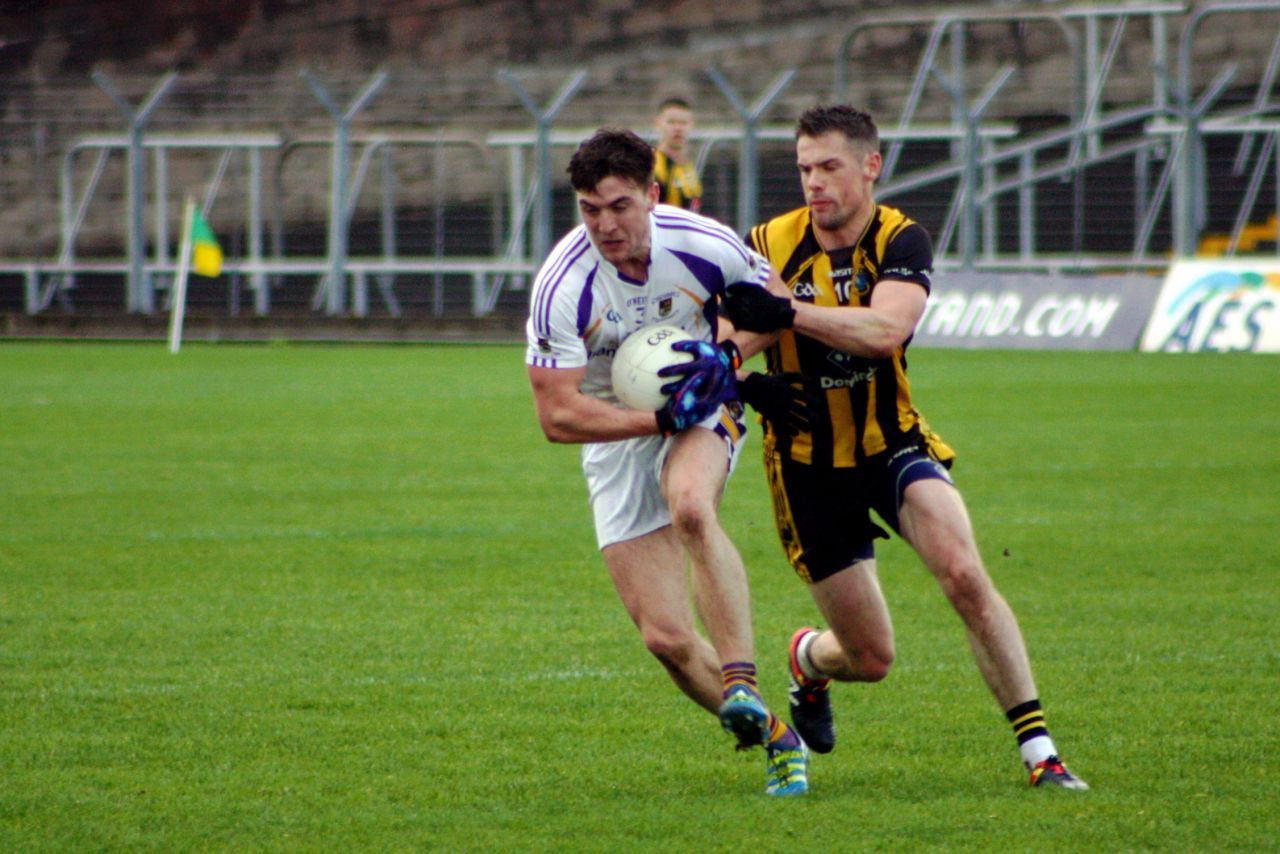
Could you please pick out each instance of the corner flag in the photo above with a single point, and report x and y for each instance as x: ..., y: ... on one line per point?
x: 200, y: 254
x: 206, y: 254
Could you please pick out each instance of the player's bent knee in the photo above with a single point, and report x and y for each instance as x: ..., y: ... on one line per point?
x: 691, y: 516
x: 967, y: 586
x: 866, y: 658
x: 873, y: 665
x: 673, y: 648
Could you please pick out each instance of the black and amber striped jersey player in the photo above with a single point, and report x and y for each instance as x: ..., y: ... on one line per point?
x: 857, y: 273
x: 675, y: 174
x: 678, y: 182
x: 863, y: 405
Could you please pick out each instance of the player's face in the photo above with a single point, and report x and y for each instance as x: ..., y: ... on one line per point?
x: 616, y: 214
x: 838, y: 176
x: 674, y: 125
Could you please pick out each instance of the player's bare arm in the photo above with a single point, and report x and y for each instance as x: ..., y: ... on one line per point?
x: 748, y: 343
x: 569, y: 416
x: 873, y: 332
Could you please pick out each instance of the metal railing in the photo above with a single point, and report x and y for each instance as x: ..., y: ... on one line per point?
x: 993, y: 183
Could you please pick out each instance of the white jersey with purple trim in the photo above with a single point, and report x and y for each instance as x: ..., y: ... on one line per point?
x: 582, y: 307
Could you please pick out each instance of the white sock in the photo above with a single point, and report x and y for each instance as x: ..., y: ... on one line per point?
x: 1036, y: 750
x: 807, y: 667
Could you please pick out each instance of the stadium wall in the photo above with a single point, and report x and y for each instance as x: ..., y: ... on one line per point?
x: 239, y: 73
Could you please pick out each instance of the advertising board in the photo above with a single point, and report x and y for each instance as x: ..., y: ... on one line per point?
x: 1217, y: 306
x: 1036, y: 311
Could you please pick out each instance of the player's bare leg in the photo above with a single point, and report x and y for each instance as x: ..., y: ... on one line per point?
x: 858, y: 646
x: 649, y: 574
x: 934, y: 521
x: 692, y: 482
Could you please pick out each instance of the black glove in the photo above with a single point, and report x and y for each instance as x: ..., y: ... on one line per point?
x: 754, y: 309
x: 787, y: 401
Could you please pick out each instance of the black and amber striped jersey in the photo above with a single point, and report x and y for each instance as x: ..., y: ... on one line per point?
x: 866, y: 406
x: 678, y: 182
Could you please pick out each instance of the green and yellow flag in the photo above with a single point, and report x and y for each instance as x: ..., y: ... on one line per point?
x: 206, y: 254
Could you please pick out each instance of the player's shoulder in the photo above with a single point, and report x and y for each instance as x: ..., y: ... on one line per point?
x: 894, y: 222
x: 904, y: 247
x: 681, y: 226
x: 572, y: 253
x: 782, y: 232
x: 798, y: 218
x: 564, y: 276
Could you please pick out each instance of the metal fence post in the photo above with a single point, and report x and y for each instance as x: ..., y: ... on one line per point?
x: 749, y: 164
x: 542, y: 151
x: 339, y: 221
x: 257, y: 279
x: 1189, y: 177
x: 140, y: 296
x: 968, y: 191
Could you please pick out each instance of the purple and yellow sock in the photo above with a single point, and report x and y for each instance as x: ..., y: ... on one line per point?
x: 743, y: 673
x: 781, y: 734
x: 739, y: 673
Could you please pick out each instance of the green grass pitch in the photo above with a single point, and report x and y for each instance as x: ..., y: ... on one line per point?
x: 340, y: 598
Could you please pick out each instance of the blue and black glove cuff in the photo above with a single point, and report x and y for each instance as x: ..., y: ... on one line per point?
x: 731, y: 350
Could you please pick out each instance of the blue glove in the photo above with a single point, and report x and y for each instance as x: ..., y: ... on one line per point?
x: 716, y: 363
x: 694, y: 399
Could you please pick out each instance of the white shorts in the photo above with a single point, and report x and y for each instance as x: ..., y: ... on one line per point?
x: 624, y: 479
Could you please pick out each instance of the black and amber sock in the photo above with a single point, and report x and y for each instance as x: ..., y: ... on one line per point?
x: 1027, y: 720
x: 1034, y: 742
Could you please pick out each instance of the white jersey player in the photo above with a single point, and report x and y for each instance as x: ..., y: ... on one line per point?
x: 583, y: 307
x: 655, y: 478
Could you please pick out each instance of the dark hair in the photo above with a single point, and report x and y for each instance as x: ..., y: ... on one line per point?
x: 673, y: 101
x: 611, y: 152
x: 855, y: 124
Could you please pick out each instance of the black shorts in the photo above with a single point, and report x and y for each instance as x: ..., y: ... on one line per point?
x: 823, y: 513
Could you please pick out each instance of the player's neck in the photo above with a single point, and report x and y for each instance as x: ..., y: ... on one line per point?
x: 840, y: 238
x: 846, y: 235
x: 636, y: 269
x: 675, y: 155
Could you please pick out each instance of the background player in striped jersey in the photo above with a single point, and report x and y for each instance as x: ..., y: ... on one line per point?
x: 655, y: 479
x: 673, y: 170
x: 855, y: 276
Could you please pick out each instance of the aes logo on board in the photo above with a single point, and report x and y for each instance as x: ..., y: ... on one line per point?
x: 1217, y: 307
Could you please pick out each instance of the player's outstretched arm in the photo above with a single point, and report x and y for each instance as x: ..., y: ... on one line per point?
x: 567, y: 415
x: 748, y: 343
x: 874, y: 332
